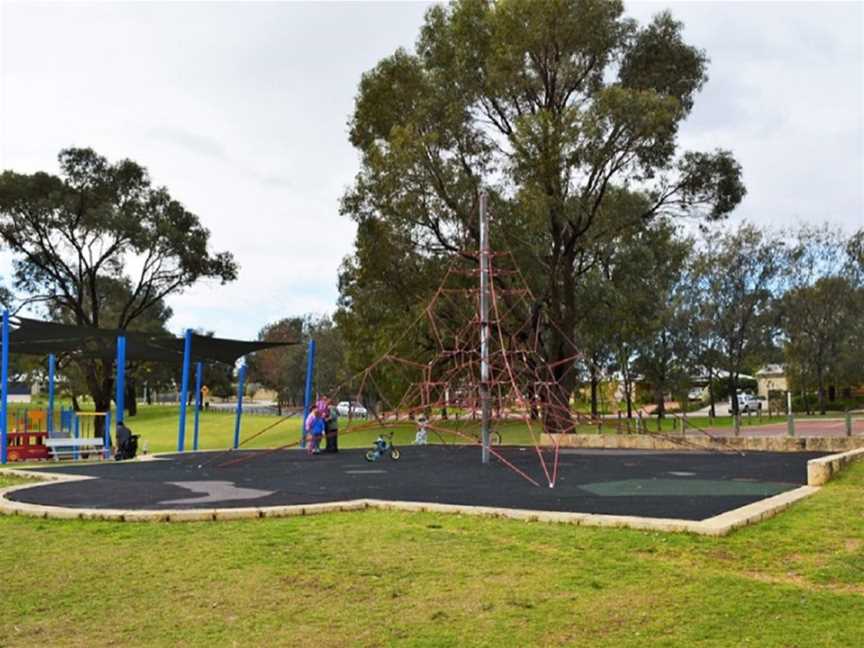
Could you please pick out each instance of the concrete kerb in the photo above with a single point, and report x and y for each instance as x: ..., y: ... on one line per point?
x: 669, y: 441
x: 819, y: 472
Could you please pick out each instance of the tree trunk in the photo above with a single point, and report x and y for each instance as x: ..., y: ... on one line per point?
x: 821, y: 391
x: 100, y: 381
x: 711, y: 408
x: 594, y: 382
x: 129, y: 398
x: 557, y: 416
x: 628, y: 397
x: 733, y: 393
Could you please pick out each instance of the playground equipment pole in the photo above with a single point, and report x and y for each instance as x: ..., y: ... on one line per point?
x: 106, y: 445
x: 52, y: 367
x: 184, y: 391
x: 199, y: 371
x: 485, y: 403
x: 120, y: 383
x: 307, y: 394
x: 120, y: 392
x: 241, y: 379
x: 4, y: 390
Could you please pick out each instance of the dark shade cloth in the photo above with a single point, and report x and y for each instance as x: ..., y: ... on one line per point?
x: 35, y: 337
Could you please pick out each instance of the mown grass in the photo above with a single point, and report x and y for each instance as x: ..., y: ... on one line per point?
x: 384, y: 578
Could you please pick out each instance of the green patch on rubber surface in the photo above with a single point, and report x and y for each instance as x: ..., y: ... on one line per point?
x: 684, y: 487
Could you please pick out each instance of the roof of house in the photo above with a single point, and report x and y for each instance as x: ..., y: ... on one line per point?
x: 772, y: 370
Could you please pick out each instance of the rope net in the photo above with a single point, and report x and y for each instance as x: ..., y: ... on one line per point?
x: 433, y: 369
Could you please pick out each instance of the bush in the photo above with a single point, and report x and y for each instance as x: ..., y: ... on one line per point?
x: 837, y: 405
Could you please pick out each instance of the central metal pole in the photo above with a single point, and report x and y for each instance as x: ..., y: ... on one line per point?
x: 485, y: 402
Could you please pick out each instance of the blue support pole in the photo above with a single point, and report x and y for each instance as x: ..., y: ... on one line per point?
x: 184, y: 390
x: 4, y: 391
x: 52, y: 368
x: 120, y: 382
x: 106, y: 442
x: 241, y: 379
x: 199, y: 376
x: 77, y: 429
x: 307, y: 394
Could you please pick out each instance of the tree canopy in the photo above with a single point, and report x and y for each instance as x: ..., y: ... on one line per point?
x: 566, y: 111
x: 100, y: 245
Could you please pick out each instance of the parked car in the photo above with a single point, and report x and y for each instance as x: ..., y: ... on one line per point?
x: 347, y: 408
x: 747, y: 403
x: 696, y: 394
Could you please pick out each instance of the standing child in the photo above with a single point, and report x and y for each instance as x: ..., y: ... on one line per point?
x: 422, y: 436
x: 314, y: 427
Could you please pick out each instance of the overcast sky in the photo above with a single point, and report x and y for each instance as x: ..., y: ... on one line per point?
x: 240, y: 109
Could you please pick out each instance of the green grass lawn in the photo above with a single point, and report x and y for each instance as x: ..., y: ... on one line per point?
x: 401, y: 579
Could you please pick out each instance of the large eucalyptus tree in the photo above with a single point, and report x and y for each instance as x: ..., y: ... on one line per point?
x: 555, y: 107
x: 100, y: 246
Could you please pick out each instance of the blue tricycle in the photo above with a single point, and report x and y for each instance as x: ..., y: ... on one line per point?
x: 382, y: 446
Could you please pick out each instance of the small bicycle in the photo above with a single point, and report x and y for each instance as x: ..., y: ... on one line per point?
x: 383, y: 445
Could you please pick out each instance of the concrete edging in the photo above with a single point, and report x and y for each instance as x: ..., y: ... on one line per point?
x: 672, y: 441
x: 820, y: 471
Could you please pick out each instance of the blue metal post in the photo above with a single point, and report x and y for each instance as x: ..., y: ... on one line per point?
x: 4, y: 390
x: 52, y: 367
x: 77, y: 430
x: 307, y: 394
x: 241, y: 379
x: 184, y: 391
x: 199, y: 376
x: 106, y: 441
x: 120, y: 382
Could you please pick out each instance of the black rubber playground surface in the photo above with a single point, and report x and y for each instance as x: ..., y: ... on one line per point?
x: 684, y: 485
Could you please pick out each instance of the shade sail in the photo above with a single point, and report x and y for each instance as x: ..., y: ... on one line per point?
x: 35, y: 337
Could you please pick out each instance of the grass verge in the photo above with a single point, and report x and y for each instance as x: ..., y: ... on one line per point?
x: 386, y: 578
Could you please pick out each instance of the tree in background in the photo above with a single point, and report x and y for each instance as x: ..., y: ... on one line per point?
x: 283, y: 369
x: 551, y: 106
x: 821, y: 313
x: 738, y: 274
x: 663, y: 347
x: 75, y: 237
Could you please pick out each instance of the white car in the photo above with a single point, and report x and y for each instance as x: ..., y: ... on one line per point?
x: 696, y: 394
x: 346, y: 408
x: 747, y: 403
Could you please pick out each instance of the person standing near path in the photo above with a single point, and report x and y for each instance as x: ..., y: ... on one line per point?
x: 314, y: 429
x: 331, y: 430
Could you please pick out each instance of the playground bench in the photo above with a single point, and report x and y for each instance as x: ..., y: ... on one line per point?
x: 73, y: 448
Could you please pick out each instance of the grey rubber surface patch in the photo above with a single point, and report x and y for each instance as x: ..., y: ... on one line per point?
x: 215, y: 491
x: 683, y: 487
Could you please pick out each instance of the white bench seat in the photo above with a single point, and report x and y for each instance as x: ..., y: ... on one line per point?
x: 71, y: 448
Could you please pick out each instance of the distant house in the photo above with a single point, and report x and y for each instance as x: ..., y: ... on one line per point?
x: 771, y: 377
x: 19, y: 392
